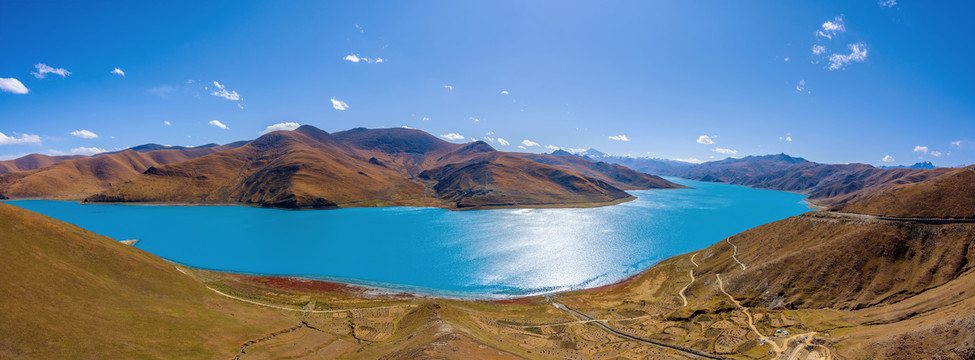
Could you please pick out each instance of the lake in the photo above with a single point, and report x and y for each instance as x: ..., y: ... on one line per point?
x: 471, y: 254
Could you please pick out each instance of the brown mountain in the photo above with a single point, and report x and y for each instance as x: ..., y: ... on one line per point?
x: 310, y: 168
x: 70, y: 293
x: 945, y: 195
x: 33, y: 161
x: 76, y: 178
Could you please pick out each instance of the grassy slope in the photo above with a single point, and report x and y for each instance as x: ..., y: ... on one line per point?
x: 69, y: 293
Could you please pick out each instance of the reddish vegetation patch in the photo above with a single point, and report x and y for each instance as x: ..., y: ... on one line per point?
x: 297, y: 284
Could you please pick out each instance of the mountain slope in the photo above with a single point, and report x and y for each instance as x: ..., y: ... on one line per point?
x: 310, y: 168
x: 33, y: 161
x: 69, y: 293
x: 73, y: 179
x: 948, y: 195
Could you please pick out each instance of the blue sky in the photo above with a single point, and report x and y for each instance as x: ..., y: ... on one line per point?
x: 892, y: 79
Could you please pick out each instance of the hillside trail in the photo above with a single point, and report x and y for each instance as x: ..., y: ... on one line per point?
x: 691, y: 273
x: 779, y: 350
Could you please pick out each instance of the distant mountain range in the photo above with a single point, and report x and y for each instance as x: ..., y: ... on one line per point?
x: 829, y: 185
x: 310, y: 168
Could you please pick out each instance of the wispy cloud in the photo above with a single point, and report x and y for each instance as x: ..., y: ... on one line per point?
x: 831, y: 27
x: 551, y: 147
x: 704, y: 139
x: 858, y: 53
x: 818, y: 49
x: 88, y: 150
x: 529, y: 143
x: 887, y: 3
x: 887, y: 158
x: 453, y: 136
x: 356, y: 58
x: 504, y: 92
x: 339, y: 104
x: 12, y: 85
x: 801, y: 86
x: 503, y: 142
x: 43, y: 70
x: 956, y: 143
x: 619, y: 138
x: 725, y: 151
x: 222, y: 91
x: 785, y: 138
x: 167, y: 123
x: 361, y: 30
x: 118, y: 71
x: 218, y: 124
x: 84, y: 134
x: 474, y: 119
x: 448, y: 87
x: 425, y: 118
x: 936, y: 153
x: 921, y: 149
x: 281, y: 126
x: 22, y: 139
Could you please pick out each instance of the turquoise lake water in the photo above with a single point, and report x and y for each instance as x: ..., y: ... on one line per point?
x: 479, y: 254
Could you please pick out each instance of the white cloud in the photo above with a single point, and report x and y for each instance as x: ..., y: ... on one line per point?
x: 887, y: 3
x: 704, y: 139
x: 473, y: 118
x: 448, y: 87
x: 167, y: 123
x: 831, y: 28
x: 956, y: 143
x: 858, y: 53
x: 725, y: 151
x: 818, y: 49
x: 43, y: 70
x: 356, y: 58
x: 218, y: 124
x: 425, y: 118
x: 453, y: 136
x: 161, y: 90
x: 84, y: 134
x: 619, y: 138
x: 786, y: 59
x: 887, y: 158
x: 529, y: 143
x: 690, y: 160
x: 339, y: 105
x: 118, y: 71
x: 489, y: 133
x: 23, y: 139
x: 12, y: 85
x: 504, y: 92
x: 489, y: 139
x: 87, y: 150
x: 921, y: 149
x: 786, y: 138
x: 801, y: 86
x: 361, y: 30
x: 503, y: 142
x: 522, y: 147
x: 224, y: 93
x: 281, y: 126
x: 936, y: 153
x: 552, y: 147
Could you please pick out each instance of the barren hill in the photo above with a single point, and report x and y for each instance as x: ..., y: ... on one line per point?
x: 310, y: 168
x: 33, y: 161
x: 75, y: 178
